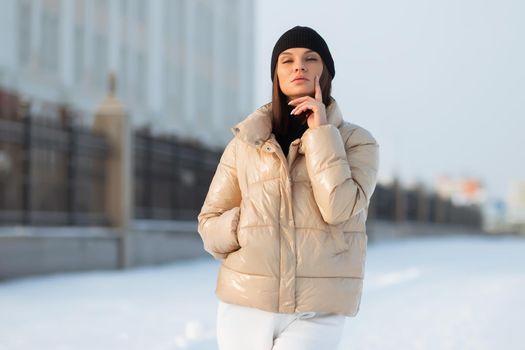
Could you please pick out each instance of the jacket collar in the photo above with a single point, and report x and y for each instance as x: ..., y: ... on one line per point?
x: 256, y: 128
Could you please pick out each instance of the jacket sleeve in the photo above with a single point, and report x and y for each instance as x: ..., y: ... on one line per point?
x: 343, y: 176
x: 219, y: 215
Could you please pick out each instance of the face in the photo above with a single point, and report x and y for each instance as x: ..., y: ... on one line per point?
x: 296, y: 71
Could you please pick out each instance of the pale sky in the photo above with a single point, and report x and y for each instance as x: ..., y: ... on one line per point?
x: 440, y: 84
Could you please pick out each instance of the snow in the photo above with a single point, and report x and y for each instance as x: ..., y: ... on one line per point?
x: 454, y: 292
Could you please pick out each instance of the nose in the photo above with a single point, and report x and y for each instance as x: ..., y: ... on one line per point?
x: 300, y: 66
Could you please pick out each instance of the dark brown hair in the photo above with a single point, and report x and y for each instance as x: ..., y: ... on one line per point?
x: 280, y: 108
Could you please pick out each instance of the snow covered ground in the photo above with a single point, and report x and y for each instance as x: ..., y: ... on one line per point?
x: 455, y: 292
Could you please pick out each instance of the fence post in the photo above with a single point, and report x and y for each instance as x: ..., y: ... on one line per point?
x: 71, y: 161
x: 25, y: 114
x: 148, y: 169
x: 112, y: 121
x: 422, y: 204
x: 440, y: 209
x: 400, y: 211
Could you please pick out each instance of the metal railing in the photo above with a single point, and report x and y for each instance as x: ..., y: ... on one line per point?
x: 399, y: 204
x: 171, y: 177
x: 51, y: 173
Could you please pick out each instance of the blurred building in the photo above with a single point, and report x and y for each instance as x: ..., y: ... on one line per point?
x: 516, y: 205
x: 182, y: 66
x: 462, y: 191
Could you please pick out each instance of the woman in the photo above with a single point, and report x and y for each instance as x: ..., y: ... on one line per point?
x: 286, y: 210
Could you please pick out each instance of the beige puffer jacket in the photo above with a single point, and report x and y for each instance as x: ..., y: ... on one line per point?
x: 291, y: 231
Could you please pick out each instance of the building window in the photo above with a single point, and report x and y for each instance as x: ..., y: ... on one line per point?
x: 101, y: 60
x: 141, y: 11
x: 49, y: 43
x: 122, y: 81
x: 101, y: 50
x: 79, y: 53
x: 140, y: 81
x: 124, y: 7
x: 175, y: 52
x: 80, y: 42
x: 204, y: 59
x: 231, y: 56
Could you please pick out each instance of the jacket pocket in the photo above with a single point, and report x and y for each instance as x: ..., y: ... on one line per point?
x: 234, y: 229
x: 340, y: 243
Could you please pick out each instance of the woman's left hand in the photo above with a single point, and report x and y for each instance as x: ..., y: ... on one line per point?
x: 317, y: 114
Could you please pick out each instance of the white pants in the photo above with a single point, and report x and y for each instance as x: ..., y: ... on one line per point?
x: 243, y: 328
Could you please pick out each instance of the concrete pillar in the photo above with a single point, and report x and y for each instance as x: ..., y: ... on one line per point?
x: 113, y: 122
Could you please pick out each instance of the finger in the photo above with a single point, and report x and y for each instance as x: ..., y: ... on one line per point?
x: 296, y: 109
x: 318, y: 92
x: 302, y: 107
x: 298, y: 100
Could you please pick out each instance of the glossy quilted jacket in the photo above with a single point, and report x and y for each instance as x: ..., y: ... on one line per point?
x: 290, y: 231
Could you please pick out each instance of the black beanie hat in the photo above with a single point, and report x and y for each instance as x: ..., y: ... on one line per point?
x: 305, y: 37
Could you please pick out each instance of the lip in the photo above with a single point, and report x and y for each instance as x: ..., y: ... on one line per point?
x: 299, y: 79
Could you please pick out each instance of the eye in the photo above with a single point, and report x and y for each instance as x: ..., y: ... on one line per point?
x: 288, y: 61
x: 311, y: 59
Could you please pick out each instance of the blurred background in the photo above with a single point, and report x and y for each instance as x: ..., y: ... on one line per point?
x: 113, y: 116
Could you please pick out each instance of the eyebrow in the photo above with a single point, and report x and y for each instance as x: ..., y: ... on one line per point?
x: 289, y: 53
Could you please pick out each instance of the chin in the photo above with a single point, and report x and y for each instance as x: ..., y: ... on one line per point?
x: 300, y: 92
